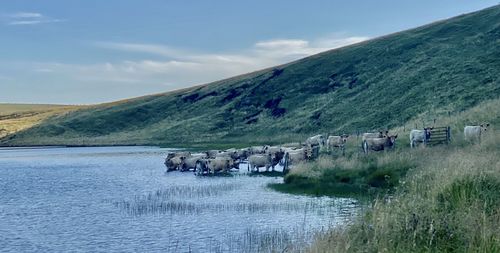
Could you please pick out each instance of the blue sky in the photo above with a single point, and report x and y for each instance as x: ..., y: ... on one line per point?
x: 92, y: 51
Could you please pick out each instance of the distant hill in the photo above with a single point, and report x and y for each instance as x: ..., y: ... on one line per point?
x: 17, y: 117
x: 447, y: 66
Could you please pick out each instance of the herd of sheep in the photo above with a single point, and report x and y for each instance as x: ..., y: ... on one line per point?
x: 268, y: 157
x: 213, y: 161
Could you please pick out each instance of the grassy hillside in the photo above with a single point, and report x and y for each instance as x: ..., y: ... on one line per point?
x: 447, y: 66
x: 447, y: 202
x: 17, y: 117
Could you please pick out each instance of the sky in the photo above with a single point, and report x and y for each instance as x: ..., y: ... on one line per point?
x: 93, y: 51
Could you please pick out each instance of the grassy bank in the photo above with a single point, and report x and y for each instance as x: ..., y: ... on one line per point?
x: 449, y: 203
x: 434, y: 199
x: 355, y: 176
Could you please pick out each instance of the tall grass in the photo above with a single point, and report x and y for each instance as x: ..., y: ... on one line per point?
x: 450, y: 203
x: 348, y: 176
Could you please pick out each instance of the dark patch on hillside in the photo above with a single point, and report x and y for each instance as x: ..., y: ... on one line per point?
x: 344, y: 79
x: 197, y: 97
x: 210, y: 94
x: 321, y: 86
x: 190, y: 98
x: 316, y: 115
x: 232, y: 94
x: 273, y: 105
x: 274, y: 74
x: 253, y: 115
x: 315, y: 118
x: 278, y: 112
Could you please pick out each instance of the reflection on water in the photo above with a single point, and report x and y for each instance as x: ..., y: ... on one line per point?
x: 116, y: 199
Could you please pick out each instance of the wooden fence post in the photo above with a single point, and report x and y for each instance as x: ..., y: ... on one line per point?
x: 448, y: 135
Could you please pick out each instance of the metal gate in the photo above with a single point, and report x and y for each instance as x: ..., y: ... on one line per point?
x: 438, y: 135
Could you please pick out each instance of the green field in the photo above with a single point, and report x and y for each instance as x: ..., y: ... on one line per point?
x: 439, y: 69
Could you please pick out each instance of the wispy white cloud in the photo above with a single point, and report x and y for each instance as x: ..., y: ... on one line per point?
x: 28, y: 18
x: 335, y: 42
x: 141, y: 48
x: 263, y: 54
x: 24, y: 22
x: 279, y: 43
x: 43, y: 70
x: 182, y: 68
x: 287, y: 50
x: 25, y: 15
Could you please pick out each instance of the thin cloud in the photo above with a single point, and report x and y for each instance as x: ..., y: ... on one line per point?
x: 25, y: 22
x: 29, y: 18
x: 262, y: 54
x: 141, y: 48
x: 182, y: 68
x: 26, y: 15
x: 335, y: 41
x: 280, y: 43
x: 44, y: 70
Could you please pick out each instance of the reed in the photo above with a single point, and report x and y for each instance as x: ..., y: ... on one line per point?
x: 158, y: 206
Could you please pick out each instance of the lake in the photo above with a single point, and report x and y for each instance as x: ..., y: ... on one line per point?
x: 120, y: 199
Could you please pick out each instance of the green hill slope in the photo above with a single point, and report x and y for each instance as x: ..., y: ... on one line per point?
x: 449, y: 66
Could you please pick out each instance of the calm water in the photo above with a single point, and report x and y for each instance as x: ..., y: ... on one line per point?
x: 119, y: 199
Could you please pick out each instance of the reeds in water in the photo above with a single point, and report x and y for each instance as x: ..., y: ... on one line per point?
x: 145, y: 206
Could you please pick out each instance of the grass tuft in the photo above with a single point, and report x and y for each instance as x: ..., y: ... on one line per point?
x: 346, y: 176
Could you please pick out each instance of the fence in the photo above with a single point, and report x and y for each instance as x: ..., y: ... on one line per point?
x: 438, y: 135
